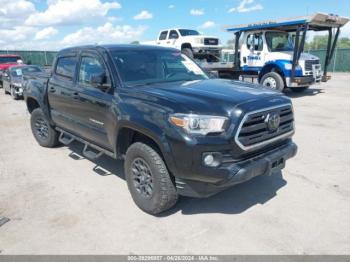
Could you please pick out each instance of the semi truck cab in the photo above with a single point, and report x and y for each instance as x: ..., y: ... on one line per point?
x: 263, y: 51
x: 272, y: 52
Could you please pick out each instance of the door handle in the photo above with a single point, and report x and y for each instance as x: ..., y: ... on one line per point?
x: 52, y: 89
x: 168, y: 42
x: 76, y: 95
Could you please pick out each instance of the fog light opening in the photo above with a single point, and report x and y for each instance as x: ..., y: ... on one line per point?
x: 212, y: 159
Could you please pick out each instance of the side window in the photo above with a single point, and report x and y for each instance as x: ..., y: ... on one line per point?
x: 173, y: 35
x: 163, y: 35
x: 89, y: 67
x: 255, y: 42
x: 66, y: 66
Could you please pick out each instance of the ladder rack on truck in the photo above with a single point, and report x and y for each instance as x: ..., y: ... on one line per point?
x: 272, y: 52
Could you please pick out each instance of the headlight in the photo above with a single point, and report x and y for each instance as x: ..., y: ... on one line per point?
x: 199, y: 40
x: 289, y: 67
x: 199, y: 124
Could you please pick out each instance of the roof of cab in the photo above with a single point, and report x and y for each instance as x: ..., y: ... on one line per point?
x: 316, y: 22
x: 113, y: 47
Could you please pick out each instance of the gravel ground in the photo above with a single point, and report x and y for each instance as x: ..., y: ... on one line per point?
x: 62, y: 203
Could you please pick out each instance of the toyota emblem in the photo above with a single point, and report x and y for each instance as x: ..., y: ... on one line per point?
x: 273, y: 121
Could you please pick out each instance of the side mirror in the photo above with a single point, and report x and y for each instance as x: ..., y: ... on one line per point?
x: 99, y: 81
x: 5, y: 74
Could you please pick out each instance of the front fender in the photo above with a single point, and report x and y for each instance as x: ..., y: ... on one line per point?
x: 281, y: 66
x: 151, y: 130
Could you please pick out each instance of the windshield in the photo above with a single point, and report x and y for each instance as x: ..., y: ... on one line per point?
x: 9, y: 59
x: 31, y: 69
x: 143, y: 67
x: 279, y: 41
x: 186, y: 32
x: 16, y: 72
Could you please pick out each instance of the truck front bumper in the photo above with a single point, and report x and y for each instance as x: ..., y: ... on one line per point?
x: 238, y: 172
x: 206, y: 51
x: 18, y: 91
x: 300, y: 81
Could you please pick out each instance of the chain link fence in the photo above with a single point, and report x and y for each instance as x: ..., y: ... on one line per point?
x: 42, y: 58
x: 339, y: 63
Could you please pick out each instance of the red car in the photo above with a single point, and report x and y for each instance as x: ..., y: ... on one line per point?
x: 7, y: 60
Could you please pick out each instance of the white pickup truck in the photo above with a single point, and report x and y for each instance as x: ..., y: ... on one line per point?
x: 190, y: 42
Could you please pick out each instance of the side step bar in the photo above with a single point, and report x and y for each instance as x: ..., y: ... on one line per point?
x: 65, y: 139
x: 90, y: 151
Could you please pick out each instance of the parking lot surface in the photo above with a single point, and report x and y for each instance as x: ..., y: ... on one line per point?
x: 58, y: 202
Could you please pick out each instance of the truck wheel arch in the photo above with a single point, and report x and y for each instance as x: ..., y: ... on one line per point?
x: 32, y: 104
x: 127, y: 135
x: 271, y: 68
x: 186, y: 45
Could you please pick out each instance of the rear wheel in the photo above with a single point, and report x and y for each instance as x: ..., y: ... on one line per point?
x: 273, y: 80
x: 148, y: 179
x: 44, y: 134
x: 5, y: 91
x: 299, y: 89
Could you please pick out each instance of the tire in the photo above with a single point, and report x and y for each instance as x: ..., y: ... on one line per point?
x: 14, y: 96
x: 44, y: 134
x: 163, y: 193
x: 273, y: 80
x: 6, y: 92
x: 188, y: 52
x: 299, y: 89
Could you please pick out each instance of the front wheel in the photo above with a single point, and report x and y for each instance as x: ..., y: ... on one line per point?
x: 44, y: 134
x: 273, y: 80
x: 148, y: 179
x: 13, y: 94
x: 188, y: 52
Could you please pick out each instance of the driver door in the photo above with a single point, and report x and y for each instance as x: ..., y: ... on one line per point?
x: 254, y: 58
x: 95, y: 113
x: 173, y: 36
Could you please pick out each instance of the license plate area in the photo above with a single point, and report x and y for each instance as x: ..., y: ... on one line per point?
x: 316, y: 71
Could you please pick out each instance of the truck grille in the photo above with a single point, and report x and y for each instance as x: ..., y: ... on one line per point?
x: 309, y: 63
x: 211, y: 41
x: 256, y: 129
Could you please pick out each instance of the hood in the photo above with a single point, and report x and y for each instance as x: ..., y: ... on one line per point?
x: 38, y: 74
x: 200, y: 36
x: 17, y: 79
x: 212, y: 96
x: 288, y: 55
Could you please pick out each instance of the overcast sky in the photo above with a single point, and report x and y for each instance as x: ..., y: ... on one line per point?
x: 53, y: 24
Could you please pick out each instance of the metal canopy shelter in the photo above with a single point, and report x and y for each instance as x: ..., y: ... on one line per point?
x: 299, y: 25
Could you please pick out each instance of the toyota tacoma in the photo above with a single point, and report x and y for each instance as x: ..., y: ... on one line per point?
x: 178, y: 131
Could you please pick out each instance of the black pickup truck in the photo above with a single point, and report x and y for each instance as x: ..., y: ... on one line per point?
x: 179, y: 132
